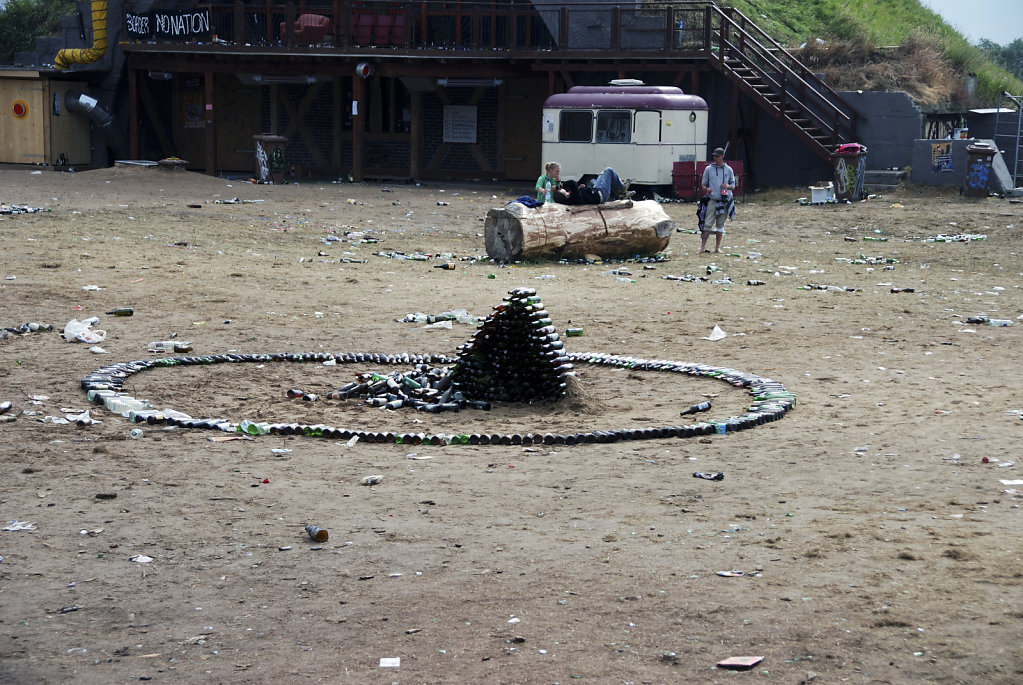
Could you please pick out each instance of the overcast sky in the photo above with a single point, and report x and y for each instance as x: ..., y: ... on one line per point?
x: 1000, y: 21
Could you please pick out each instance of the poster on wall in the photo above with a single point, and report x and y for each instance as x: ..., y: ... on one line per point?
x: 941, y: 157
x: 192, y: 103
x: 460, y: 124
x: 185, y: 26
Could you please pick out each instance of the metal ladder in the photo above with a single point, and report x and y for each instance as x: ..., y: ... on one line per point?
x: 1007, y: 135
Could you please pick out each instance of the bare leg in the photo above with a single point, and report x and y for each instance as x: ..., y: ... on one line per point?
x: 703, y: 241
x: 717, y: 243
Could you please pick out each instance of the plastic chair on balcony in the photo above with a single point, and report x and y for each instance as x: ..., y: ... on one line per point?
x: 310, y: 29
x: 382, y: 29
x: 362, y: 33
x: 398, y: 31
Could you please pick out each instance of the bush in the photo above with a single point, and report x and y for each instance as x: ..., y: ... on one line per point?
x: 22, y: 21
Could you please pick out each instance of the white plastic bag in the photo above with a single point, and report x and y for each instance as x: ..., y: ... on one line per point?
x: 80, y: 331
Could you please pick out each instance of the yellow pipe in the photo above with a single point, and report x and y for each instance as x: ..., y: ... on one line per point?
x: 69, y: 56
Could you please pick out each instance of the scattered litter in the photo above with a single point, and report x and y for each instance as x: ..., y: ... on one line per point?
x: 458, y: 315
x: 316, y: 533
x: 716, y: 475
x: 82, y: 419
x: 372, y: 480
x: 19, y: 525
x: 390, y: 661
x: 140, y: 559
x: 957, y: 238
x: 96, y: 349
x: 81, y: 331
x: 20, y: 209
x: 740, y: 663
x: 737, y: 573
x: 716, y: 334
x: 833, y: 288
x: 280, y: 450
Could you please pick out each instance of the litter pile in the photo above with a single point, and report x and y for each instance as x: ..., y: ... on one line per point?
x: 515, y: 356
x: 19, y: 209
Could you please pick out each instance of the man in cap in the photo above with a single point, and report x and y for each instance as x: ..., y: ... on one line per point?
x: 716, y: 186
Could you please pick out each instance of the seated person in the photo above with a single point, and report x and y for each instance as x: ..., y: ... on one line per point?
x: 551, y: 175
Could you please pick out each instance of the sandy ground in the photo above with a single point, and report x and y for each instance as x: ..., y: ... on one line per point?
x: 874, y: 544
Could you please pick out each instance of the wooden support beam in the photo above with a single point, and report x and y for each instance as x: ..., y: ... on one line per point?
x: 211, y: 129
x: 358, y: 132
x: 133, y: 113
x: 337, y: 121
x: 297, y: 121
x: 416, y: 135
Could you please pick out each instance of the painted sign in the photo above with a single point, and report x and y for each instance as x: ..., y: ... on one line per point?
x: 184, y: 25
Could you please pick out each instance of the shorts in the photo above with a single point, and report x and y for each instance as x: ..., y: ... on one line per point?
x: 714, y: 222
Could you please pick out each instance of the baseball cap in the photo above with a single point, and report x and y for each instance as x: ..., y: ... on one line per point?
x: 719, y: 152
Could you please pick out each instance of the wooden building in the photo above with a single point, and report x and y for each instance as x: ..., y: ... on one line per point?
x: 429, y: 88
x: 434, y: 89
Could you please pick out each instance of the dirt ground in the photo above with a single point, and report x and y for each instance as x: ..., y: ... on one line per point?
x: 874, y: 544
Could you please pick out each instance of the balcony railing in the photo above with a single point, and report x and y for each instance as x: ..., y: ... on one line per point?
x: 514, y: 28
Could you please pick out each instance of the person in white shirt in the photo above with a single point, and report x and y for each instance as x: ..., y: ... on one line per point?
x: 717, y: 185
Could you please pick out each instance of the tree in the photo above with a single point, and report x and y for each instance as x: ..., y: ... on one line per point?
x: 22, y: 21
x: 1008, y: 57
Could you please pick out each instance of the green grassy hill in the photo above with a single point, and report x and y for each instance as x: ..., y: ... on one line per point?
x: 883, y: 45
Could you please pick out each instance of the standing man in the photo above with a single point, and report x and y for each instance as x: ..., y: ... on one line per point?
x: 716, y: 186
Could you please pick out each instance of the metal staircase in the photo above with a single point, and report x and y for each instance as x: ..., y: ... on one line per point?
x: 778, y: 82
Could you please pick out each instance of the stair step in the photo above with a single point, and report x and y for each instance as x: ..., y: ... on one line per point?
x: 883, y: 176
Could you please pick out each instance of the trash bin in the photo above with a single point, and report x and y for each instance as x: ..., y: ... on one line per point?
x: 269, y: 150
x: 978, y: 169
x: 850, y: 160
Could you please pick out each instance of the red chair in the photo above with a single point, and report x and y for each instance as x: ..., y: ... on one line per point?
x: 362, y: 33
x: 398, y: 31
x: 382, y: 29
x: 309, y: 29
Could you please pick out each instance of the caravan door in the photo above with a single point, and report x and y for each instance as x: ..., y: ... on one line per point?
x: 648, y: 155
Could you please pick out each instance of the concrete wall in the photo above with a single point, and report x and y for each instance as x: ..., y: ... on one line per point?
x: 892, y: 123
x: 924, y: 170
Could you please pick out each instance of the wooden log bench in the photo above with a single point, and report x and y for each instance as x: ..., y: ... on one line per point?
x: 621, y: 228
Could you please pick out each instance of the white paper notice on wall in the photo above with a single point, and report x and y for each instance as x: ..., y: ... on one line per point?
x: 459, y: 124
x: 355, y: 108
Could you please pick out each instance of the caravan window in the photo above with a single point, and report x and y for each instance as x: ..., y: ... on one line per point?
x: 614, y: 127
x: 576, y: 126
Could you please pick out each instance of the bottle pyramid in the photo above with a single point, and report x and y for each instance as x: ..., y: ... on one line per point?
x: 515, y: 356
